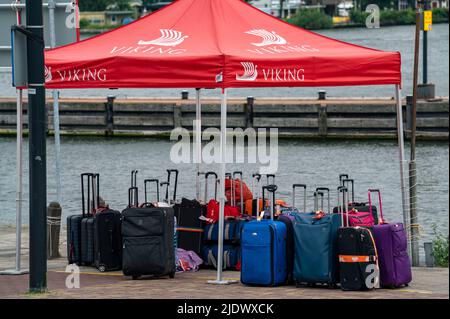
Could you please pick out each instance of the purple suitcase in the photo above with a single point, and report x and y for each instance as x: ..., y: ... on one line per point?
x: 392, y: 248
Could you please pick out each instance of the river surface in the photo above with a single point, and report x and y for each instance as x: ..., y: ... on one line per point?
x: 397, y: 38
x: 316, y: 163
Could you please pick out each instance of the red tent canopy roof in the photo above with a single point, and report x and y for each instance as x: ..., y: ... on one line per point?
x: 215, y: 44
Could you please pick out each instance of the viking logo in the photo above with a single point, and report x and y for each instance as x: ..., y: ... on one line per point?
x: 48, y: 74
x: 268, y: 38
x: 250, y: 72
x: 168, y: 38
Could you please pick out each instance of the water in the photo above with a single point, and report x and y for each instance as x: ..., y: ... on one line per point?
x: 315, y: 163
x: 398, y: 38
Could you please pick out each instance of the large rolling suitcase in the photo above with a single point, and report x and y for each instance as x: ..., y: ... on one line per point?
x: 392, y: 247
x: 263, y: 244
x: 107, y: 236
x: 190, y: 226
x: 74, y: 224
x: 315, y: 235
x: 87, y: 223
x: 148, y: 241
x: 357, y: 254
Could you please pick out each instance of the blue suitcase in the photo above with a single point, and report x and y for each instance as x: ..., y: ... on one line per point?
x: 232, y: 231
x: 263, y: 245
x: 231, y: 256
x: 316, y: 256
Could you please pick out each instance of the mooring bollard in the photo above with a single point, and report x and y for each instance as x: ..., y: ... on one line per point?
x: 109, y: 115
x: 248, y: 109
x: 184, y: 95
x: 322, y: 95
x: 54, y: 212
x: 429, y: 257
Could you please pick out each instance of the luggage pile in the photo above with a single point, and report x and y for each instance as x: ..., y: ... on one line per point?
x: 349, y: 246
x: 140, y: 240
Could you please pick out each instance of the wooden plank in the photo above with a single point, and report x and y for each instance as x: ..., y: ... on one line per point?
x: 157, y: 108
x: 283, y: 108
x: 436, y: 107
x: 79, y: 120
x: 286, y: 122
x: 430, y: 122
x: 354, y: 123
x: 10, y: 119
x: 214, y: 121
x: 79, y: 107
x: 144, y: 120
x: 366, y: 108
x: 213, y: 108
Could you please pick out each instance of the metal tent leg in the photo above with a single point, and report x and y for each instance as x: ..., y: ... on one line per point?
x: 223, y: 146
x: 19, y: 192
x: 401, y: 148
x: 198, y: 142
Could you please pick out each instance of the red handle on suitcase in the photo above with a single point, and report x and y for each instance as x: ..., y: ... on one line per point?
x: 369, y: 192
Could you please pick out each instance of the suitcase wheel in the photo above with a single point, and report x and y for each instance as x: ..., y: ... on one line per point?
x: 135, y: 277
x: 172, y: 275
x: 102, y: 268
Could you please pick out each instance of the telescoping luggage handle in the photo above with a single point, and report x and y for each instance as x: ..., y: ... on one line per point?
x: 207, y: 175
x: 149, y: 181
x: 320, y: 191
x: 271, y: 189
x: 133, y: 200
x: 341, y: 178
x: 369, y: 192
x: 342, y: 206
x: 235, y: 174
x: 269, y: 177
x: 167, y: 185
x: 345, y: 183
x: 85, y: 178
x: 255, y: 189
x: 304, y: 195
x: 175, y: 184
x: 134, y: 178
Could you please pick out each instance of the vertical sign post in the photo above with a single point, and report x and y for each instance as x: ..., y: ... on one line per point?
x: 37, y: 147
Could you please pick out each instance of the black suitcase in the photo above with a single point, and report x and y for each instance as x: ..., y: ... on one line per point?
x: 189, y: 226
x: 148, y: 242
x: 87, y: 223
x: 357, y: 256
x: 74, y: 222
x: 108, y: 240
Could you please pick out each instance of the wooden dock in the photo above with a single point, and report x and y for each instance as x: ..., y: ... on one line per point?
x: 295, y: 118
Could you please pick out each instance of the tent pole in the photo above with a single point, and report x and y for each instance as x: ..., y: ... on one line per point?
x: 223, y: 147
x: 401, y: 145
x: 55, y: 93
x: 198, y: 141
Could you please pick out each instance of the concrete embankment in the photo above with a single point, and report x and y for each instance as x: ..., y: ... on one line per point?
x: 295, y: 118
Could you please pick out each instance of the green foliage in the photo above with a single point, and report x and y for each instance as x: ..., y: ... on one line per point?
x: 312, y: 19
x: 440, y: 247
x: 440, y: 15
x: 84, y: 23
x: 100, y: 5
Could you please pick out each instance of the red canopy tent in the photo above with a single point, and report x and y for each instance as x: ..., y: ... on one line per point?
x: 220, y: 44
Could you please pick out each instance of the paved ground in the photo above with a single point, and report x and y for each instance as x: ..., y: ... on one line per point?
x: 427, y: 283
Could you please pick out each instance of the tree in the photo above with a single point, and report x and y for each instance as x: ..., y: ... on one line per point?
x: 101, y: 5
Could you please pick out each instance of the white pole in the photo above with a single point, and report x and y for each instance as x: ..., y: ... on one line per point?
x: 223, y: 148
x: 401, y: 148
x: 51, y: 8
x: 19, y: 186
x: 198, y: 140
x: 19, y: 178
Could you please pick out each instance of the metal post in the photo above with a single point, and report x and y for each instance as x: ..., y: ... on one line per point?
x: 19, y: 187
x: 198, y: 141
x: 425, y: 48
x: 55, y: 93
x: 401, y: 148
x: 413, y: 226
x: 223, y: 147
x: 37, y: 148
